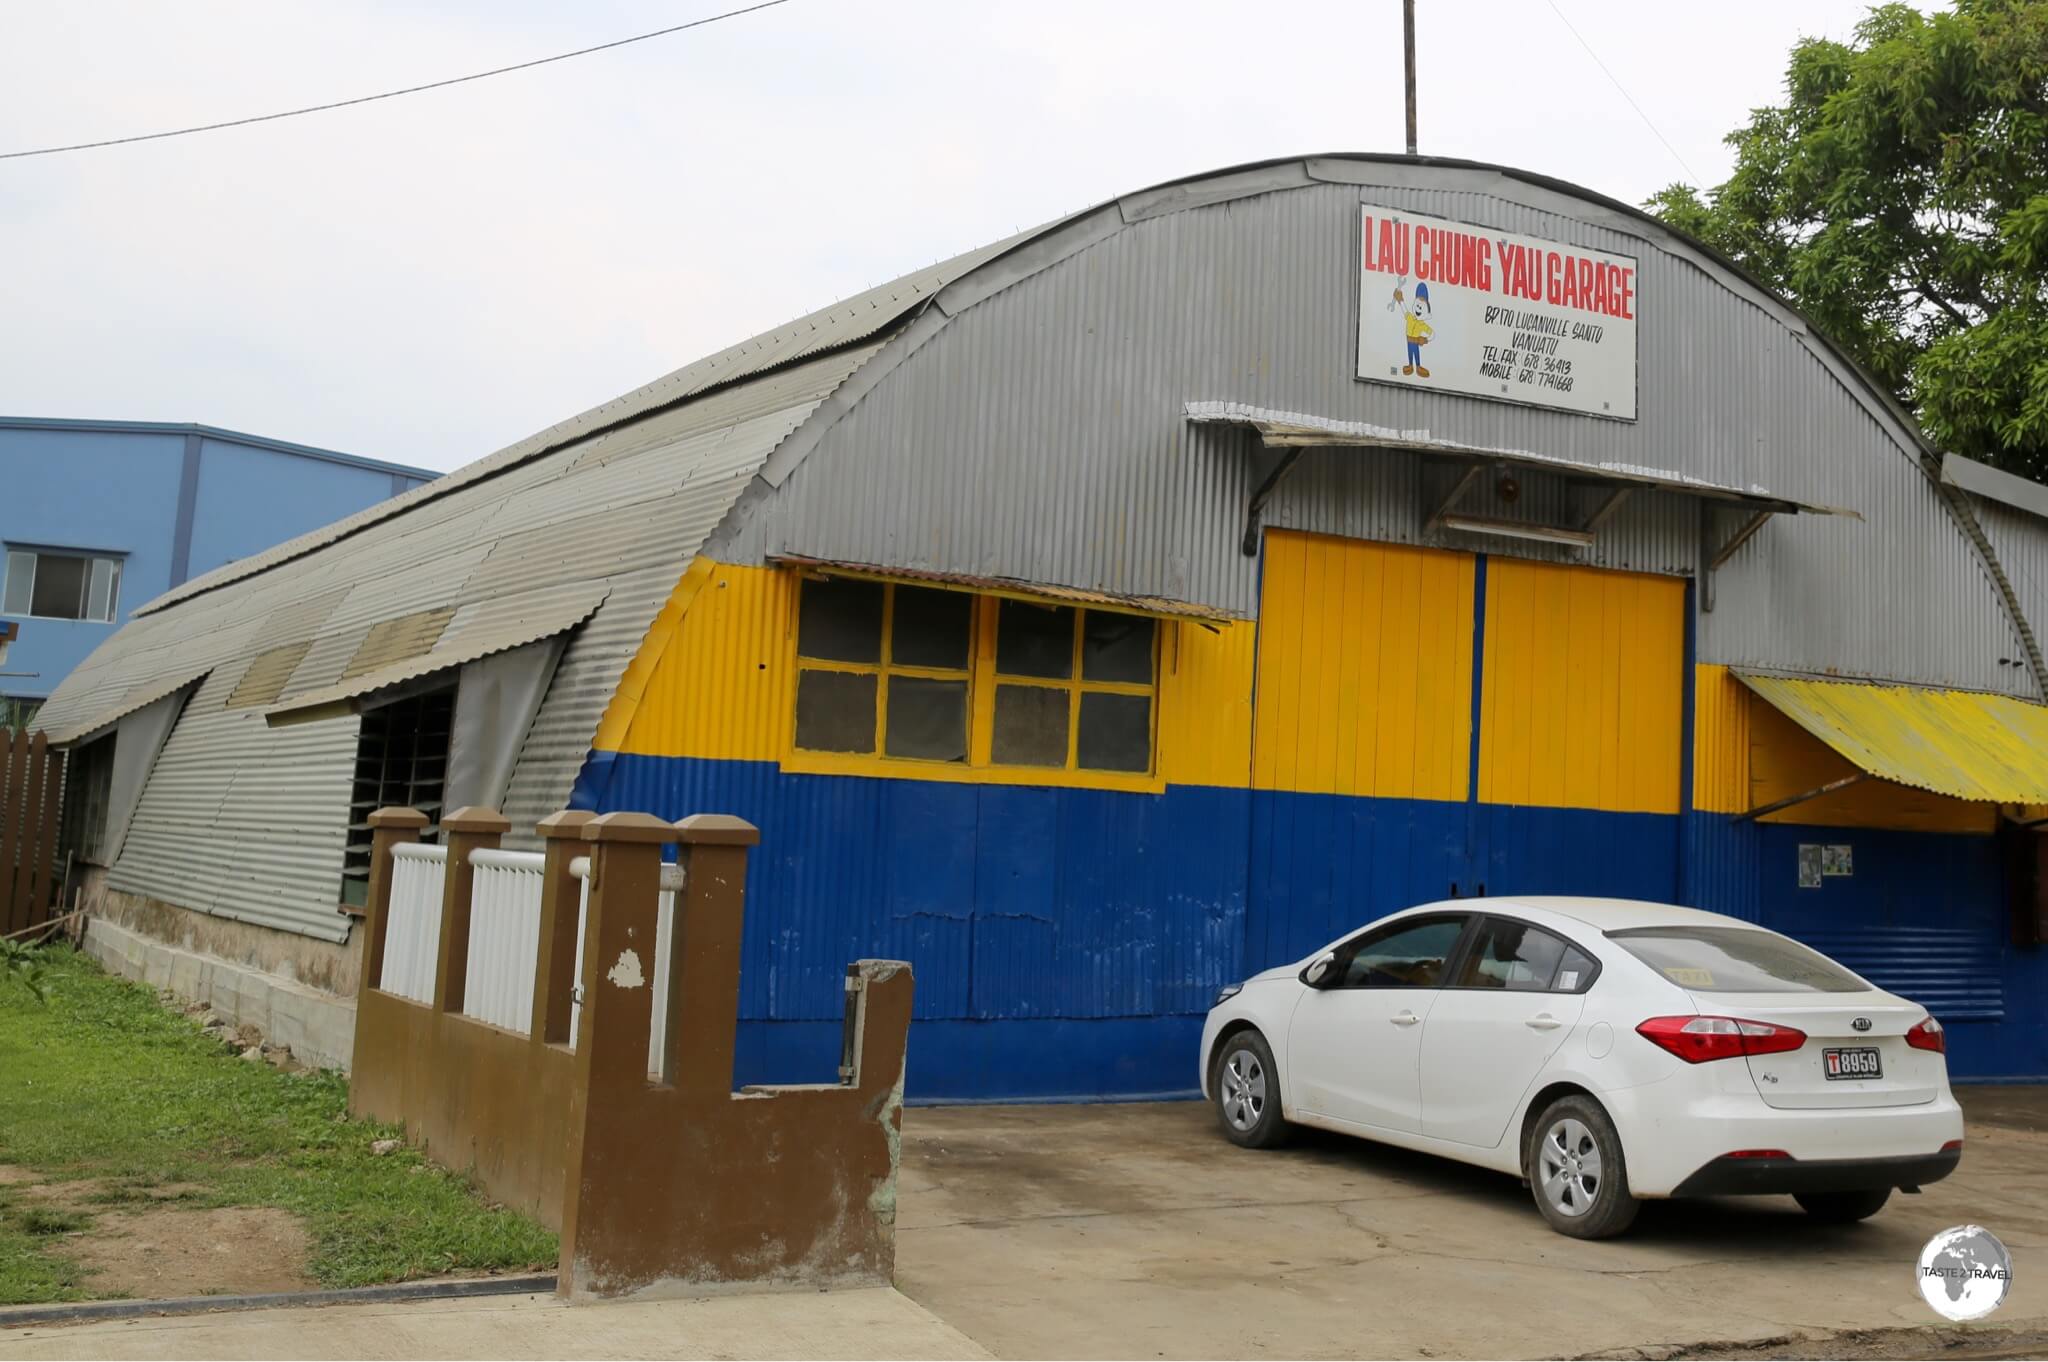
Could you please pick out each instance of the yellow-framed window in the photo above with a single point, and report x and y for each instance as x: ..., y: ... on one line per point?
x: 1068, y: 689
x: 905, y: 673
x: 883, y: 669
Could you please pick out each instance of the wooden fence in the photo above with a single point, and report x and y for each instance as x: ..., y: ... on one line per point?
x: 31, y: 806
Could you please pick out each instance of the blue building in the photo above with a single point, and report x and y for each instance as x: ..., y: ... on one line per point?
x: 97, y: 517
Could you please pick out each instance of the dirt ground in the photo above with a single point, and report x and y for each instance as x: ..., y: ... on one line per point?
x: 151, y: 1244
x: 167, y: 1251
x: 1137, y: 1231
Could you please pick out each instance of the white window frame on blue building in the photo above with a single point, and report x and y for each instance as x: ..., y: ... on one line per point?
x: 99, y: 583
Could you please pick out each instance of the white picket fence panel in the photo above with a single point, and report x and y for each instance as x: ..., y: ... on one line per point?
x: 504, y: 937
x: 412, y: 935
x: 664, y: 938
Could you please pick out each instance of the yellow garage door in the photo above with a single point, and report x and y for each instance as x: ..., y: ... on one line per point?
x: 1364, y: 669
x: 1582, y: 688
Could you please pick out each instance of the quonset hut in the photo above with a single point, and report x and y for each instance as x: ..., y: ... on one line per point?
x: 1144, y: 600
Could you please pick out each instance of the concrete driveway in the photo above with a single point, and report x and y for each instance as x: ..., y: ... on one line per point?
x: 1138, y: 1231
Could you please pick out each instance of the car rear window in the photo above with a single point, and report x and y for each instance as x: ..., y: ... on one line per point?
x: 1735, y: 960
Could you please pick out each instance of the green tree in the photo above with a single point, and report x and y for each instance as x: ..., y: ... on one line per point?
x: 1899, y: 196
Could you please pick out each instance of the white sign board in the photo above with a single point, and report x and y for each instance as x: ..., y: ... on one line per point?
x: 1457, y: 308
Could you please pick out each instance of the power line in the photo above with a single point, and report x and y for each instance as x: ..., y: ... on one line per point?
x: 1624, y: 92
x: 393, y: 94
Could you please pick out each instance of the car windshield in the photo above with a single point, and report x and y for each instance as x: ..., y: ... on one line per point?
x: 1735, y: 960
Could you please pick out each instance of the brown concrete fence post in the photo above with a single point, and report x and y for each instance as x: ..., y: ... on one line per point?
x: 467, y: 829
x: 388, y: 828
x: 554, y: 970
x: 704, y: 955
x: 618, y: 1002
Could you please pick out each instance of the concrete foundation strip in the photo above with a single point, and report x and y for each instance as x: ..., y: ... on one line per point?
x: 276, y: 1300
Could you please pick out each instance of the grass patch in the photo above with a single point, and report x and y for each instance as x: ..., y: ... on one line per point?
x: 43, y: 1220
x: 102, y: 1082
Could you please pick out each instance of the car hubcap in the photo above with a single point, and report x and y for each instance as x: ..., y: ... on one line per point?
x: 1568, y: 1168
x: 1243, y: 1090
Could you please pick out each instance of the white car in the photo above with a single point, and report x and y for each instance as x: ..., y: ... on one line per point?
x: 1605, y: 1050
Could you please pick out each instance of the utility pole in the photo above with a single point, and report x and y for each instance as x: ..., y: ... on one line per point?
x: 1408, y: 52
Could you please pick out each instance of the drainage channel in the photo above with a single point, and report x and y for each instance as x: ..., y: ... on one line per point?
x: 277, y: 1300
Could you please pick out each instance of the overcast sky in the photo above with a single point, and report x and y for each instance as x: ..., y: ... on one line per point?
x: 429, y: 278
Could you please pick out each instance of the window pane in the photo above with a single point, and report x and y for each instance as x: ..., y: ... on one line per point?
x: 100, y: 601
x: 931, y: 628
x: 1116, y: 733
x: 927, y: 719
x: 841, y: 620
x: 1035, y: 640
x: 835, y: 711
x: 1030, y: 726
x: 21, y: 576
x: 60, y: 587
x: 1115, y: 648
x: 1736, y: 960
x: 1404, y: 956
x: 1575, y: 973
x: 1513, y: 956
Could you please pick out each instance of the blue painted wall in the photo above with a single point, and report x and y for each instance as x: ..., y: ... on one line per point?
x: 121, y: 487
x: 1924, y: 916
x: 1067, y: 942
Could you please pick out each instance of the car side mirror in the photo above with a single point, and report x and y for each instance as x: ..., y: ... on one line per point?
x: 1317, y: 975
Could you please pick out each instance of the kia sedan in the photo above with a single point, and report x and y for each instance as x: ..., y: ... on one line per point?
x: 1606, y: 1051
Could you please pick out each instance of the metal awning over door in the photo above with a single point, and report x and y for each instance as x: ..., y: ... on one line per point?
x: 1964, y: 744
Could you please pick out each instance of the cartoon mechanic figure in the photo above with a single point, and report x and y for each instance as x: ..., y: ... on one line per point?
x: 1419, y: 331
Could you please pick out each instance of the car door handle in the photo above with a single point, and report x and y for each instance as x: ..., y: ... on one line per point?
x: 1404, y: 1018
x: 1543, y: 1021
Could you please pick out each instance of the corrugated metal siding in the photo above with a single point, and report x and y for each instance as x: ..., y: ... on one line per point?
x: 395, y: 640
x: 1952, y: 972
x: 1039, y: 434
x: 248, y: 821
x: 2021, y: 542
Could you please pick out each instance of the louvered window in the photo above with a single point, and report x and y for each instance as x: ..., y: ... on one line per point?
x: 401, y: 762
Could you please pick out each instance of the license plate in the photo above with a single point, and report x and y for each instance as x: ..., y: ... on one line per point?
x: 1857, y: 1062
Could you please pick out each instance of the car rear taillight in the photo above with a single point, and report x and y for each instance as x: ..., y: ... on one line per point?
x: 1696, y: 1040
x: 1955, y: 1145
x: 1928, y: 1035
x: 1756, y: 1154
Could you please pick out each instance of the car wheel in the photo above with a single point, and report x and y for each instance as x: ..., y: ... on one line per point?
x: 1577, y: 1171
x: 1843, y: 1208
x: 1247, y: 1088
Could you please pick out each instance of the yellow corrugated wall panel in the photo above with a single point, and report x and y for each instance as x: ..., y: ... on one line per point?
x: 1582, y: 689
x: 1205, y: 703
x: 719, y: 687
x: 1364, y: 669
x: 1720, y: 741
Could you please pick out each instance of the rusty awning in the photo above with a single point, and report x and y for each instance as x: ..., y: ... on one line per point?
x: 1019, y: 590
